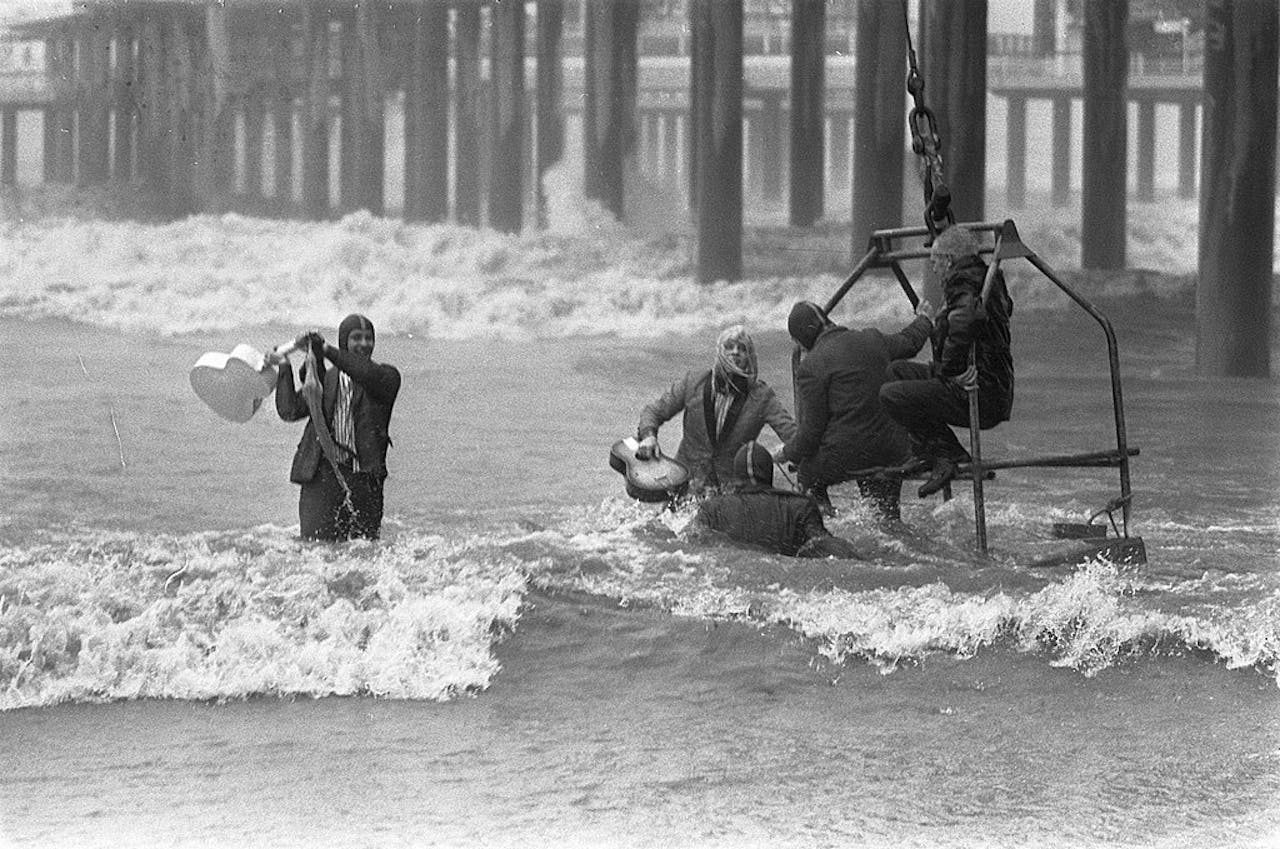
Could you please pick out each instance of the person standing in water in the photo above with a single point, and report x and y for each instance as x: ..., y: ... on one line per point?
x: 842, y: 427
x: 724, y: 408
x: 341, y: 461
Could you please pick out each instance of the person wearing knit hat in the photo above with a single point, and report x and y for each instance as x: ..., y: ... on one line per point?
x: 842, y: 428
x: 927, y: 399
x: 341, y: 461
x: 750, y: 511
x: 723, y: 407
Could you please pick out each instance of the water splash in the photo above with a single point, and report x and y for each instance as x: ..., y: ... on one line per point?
x: 586, y: 275
x: 229, y: 616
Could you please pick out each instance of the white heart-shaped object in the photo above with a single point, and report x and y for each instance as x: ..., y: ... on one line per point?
x: 233, y: 385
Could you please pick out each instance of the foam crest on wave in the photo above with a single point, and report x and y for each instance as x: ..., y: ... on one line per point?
x: 1089, y: 621
x: 217, y: 273
x: 897, y: 611
x: 229, y: 616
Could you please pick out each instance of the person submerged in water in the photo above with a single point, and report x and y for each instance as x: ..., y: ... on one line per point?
x: 724, y: 408
x: 752, y: 512
x: 341, y: 461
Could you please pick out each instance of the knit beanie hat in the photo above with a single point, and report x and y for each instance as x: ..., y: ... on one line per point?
x: 355, y: 321
x: 805, y: 323
x: 752, y: 464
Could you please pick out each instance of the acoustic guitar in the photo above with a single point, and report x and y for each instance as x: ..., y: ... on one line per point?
x: 659, y: 479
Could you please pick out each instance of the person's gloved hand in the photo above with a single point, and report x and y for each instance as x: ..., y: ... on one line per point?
x: 648, y: 447
x: 967, y: 379
x: 306, y: 340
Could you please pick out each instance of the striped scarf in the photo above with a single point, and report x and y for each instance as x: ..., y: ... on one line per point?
x: 344, y: 427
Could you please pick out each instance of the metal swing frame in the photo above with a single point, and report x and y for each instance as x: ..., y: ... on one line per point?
x: 886, y: 251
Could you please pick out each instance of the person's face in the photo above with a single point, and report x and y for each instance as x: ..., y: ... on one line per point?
x: 360, y: 341
x: 736, y: 351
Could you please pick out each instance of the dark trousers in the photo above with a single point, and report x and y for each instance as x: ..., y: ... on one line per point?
x: 883, y: 494
x: 323, y: 510
x: 926, y: 405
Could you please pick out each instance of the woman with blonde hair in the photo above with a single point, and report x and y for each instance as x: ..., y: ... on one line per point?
x: 724, y: 408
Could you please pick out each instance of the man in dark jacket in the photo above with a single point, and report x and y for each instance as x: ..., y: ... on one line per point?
x: 752, y: 512
x: 842, y: 427
x: 341, y: 461
x: 926, y: 399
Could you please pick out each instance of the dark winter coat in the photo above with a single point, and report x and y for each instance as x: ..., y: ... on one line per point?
x: 777, y: 521
x: 962, y: 323
x: 708, y: 455
x: 842, y: 425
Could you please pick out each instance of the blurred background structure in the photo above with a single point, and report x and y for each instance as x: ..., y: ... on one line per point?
x: 456, y: 110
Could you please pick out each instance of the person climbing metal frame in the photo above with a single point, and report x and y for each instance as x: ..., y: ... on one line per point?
x: 884, y: 250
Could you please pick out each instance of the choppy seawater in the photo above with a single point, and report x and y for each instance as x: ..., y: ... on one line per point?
x: 529, y: 658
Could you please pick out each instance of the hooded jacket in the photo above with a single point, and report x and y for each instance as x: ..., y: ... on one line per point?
x: 374, y: 387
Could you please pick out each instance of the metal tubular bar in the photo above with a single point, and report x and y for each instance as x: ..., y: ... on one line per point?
x: 908, y: 232
x: 975, y: 451
x: 1113, y: 358
x: 905, y: 284
x: 866, y: 262
x: 916, y: 253
x: 975, y: 418
x: 1089, y: 460
x: 1093, y: 460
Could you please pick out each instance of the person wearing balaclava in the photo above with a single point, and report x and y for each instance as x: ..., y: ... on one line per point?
x: 341, y: 461
x: 843, y: 429
x: 750, y: 511
x: 724, y: 407
x: 927, y: 399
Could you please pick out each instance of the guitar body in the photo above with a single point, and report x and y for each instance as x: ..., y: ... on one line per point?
x: 235, y: 384
x: 659, y: 479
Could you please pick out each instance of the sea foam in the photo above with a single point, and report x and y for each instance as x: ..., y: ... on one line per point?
x: 105, y: 617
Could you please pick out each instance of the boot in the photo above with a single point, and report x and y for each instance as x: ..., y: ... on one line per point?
x: 944, y: 472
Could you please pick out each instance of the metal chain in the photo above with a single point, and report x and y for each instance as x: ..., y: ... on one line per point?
x: 927, y: 144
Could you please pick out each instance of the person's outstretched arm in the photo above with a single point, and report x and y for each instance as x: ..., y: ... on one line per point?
x: 290, y: 405
x: 779, y: 418
x: 906, y: 343
x: 812, y: 407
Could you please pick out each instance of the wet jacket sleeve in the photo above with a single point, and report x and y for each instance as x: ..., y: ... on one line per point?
x: 779, y: 418
x: 963, y: 325
x: 660, y: 411
x: 290, y: 405
x: 378, y: 379
x: 812, y: 407
x: 907, y: 343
